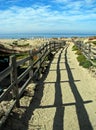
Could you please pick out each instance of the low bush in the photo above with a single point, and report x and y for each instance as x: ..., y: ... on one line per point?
x: 94, y: 60
x: 78, y: 52
x: 94, y: 42
x: 15, y: 43
x: 74, y: 48
x: 81, y: 58
x: 87, y: 64
x: 22, y: 55
x: 83, y: 61
x: 23, y: 45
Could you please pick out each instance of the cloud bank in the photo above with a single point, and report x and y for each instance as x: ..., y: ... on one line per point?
x: 54, y: 16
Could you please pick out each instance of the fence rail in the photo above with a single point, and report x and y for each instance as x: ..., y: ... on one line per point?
x: 88, y: 50
x: 15, y: 79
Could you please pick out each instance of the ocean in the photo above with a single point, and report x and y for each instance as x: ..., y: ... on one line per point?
x: 43, y: 35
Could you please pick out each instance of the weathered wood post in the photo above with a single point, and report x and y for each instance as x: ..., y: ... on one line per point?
x: 39, y: 62
x: 89, y: 52
x: 60, y: 44
x: 50, y: 44
x: 54, y: 46
x: 31, y: 63
x: 79, y: 45
x: 46, y: 46
x: 44, y: 60
x: 13, y: 76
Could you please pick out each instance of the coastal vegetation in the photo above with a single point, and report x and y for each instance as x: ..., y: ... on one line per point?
x: 16, y: 43
x: 83, y: 61
x: 94, y: 42
x: 21, y: 55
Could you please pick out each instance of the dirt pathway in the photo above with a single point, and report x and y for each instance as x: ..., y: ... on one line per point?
x: 65, y: 98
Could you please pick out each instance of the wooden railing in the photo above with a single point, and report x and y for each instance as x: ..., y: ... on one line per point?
x: 12, y: 71
x: 88, y: 51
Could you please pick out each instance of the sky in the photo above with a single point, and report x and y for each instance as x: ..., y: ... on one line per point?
x: 47, y: 16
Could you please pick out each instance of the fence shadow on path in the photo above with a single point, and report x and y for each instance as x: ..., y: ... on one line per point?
x: 23, y: 121
x: 82, y: 115
x: 59, y: 114
x: 58, y: 123
x: 35, y: 103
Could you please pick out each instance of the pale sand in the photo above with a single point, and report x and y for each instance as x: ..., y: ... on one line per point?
x: 65, y: 99
x: 33, y: 43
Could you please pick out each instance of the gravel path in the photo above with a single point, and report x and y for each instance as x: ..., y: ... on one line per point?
x: 65, y: 98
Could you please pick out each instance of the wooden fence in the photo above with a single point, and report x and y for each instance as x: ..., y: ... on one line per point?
x: 88, y: 50
x: 12, y: 72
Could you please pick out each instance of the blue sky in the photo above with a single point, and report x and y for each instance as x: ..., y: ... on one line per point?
x: 23, y: 16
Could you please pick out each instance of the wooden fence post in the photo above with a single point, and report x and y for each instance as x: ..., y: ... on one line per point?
x: 43, y: 48
x: 60, y: 45
x: 39, y: 64
x: 89, y: 49
x: 31, y: 63
x: 50, y: 45
x: 54, y: 46
x: 15, y: 91
x: 46, y: 46
x: 80, y: 46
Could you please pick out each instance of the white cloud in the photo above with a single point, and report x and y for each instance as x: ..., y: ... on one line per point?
x: 43, y: 18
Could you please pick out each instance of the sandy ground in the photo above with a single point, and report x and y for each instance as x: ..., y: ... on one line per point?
x: 64, y: 98
x: 32, y: 42
x: 22, y: 44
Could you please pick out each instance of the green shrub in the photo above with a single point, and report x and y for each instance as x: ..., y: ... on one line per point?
x: 94, y: 60
x: 23, y: 45
x: 74, y: 48
x: 81, y: 58
x: 94, y: 42
x: 87, y: 64
x: 15, y: 43
x: 78, y: 52
x: 22, y: 55
x: 83, y: 61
